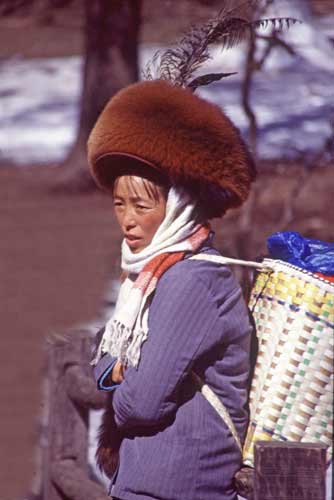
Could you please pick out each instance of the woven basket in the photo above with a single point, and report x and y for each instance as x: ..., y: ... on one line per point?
x: 291, y: 396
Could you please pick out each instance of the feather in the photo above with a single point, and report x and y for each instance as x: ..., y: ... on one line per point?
x: 275, y: 22
x: 179, y: 64
x: 207, y: 79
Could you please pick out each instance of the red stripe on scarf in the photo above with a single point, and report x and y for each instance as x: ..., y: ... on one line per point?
x: 156, y: 267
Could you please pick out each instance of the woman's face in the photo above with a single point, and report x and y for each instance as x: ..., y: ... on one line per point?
x: 140, y: 207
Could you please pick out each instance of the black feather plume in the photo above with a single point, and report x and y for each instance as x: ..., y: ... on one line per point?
x: 179, y: 64
x: 207, y: 79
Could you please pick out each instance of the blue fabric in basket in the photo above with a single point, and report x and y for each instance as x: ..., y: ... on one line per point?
x: 313, y: 255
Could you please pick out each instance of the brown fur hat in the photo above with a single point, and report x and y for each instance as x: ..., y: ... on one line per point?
x: 184, y: 136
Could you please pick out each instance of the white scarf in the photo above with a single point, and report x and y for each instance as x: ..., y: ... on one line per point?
x: 179, y: 223
x: 127, y: 329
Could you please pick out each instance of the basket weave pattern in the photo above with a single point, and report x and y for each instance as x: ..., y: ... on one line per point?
x: 292, y: 390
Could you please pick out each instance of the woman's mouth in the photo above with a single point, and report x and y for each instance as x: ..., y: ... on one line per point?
x: 131, y: 240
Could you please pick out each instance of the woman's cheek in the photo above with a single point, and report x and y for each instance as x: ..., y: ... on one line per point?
x: 119, y: 216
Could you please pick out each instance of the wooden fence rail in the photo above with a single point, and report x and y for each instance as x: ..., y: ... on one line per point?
x: 283, y: 471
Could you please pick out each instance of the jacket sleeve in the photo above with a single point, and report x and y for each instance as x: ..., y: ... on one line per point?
x: 101, y: 373
x: 104, y: 367
x: 181, y: 316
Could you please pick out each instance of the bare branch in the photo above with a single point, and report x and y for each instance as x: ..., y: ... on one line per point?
x: 275, y: 40
x: 245, y: 93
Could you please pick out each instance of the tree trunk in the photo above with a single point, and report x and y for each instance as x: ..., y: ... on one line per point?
x: 111, y: 39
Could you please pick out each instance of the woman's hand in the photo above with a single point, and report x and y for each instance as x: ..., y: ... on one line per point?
x: 117, y: 374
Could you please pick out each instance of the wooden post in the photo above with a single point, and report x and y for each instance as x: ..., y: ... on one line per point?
x: 74, y: 483
x: 68, y: 360
x: 289, y: 471
x: 81, y: 388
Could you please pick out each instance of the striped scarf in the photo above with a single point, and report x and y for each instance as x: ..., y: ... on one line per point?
x: 178, y: 234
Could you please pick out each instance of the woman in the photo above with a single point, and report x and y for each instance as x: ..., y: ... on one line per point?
x: 171, y: 161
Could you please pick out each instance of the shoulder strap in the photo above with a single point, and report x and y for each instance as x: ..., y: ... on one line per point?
x: 227, y: 260
x: 208, y: 393
x: 218, y: 405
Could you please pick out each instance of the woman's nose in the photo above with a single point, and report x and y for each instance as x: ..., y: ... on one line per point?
x: 129, y: 220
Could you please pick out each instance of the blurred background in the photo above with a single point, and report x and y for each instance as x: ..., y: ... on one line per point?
x: 60, y: 61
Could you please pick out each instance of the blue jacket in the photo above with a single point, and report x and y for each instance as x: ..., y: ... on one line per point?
x: 175, y: 446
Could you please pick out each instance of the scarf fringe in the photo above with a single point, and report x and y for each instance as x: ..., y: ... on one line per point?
x: 134, y: 350
x: 122, y: 342
x: 115, y: 341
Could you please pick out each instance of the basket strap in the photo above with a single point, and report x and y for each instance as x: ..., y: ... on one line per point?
x: 227, y: 260
x: 208, y: 393
x: 218, y: 405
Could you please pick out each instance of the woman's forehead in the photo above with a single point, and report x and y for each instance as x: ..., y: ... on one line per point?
x: 136, y: 186
x: 131, y: 183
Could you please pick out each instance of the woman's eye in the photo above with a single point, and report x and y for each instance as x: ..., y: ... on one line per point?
x: 142, y: 207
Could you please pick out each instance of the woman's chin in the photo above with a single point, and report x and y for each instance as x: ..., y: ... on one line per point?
x: 135, y: 246
x: 136, y: 250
